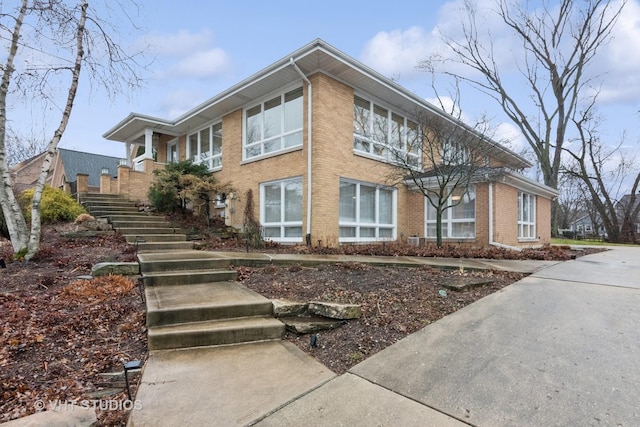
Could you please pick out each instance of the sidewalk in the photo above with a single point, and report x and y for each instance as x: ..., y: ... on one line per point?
x: 560, y: 347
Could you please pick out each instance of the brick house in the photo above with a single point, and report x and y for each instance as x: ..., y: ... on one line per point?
x: 67, y: 168
x: 289, y: 134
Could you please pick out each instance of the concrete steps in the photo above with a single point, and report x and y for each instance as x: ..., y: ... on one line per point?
x: 192, y: 297
x: 168, y: 305
x: 193, y: 300
x: 148, y: 232
x: 215, y: 332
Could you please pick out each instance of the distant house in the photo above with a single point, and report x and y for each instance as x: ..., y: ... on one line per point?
x: 65, y: 168
x: 310, y: 135
x: 583, y: 226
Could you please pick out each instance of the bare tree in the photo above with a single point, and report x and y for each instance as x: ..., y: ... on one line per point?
x: 21, y: 147
x: 77, y: 37
x: 558, y: 43
x: 443, y: 159
x: 605, y: 173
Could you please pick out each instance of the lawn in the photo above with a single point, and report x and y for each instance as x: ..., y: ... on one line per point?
x: 586, y: 242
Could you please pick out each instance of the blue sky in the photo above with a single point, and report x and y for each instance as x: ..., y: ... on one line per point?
x: 204, y: 47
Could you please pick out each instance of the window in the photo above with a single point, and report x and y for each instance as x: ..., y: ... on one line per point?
x: 458, y: 221
x: 384, y: 134
x: 367, y: 212
x: 274, y: 125
x: 281, y: 210
x: 172, y: 152
x: 454, y: 153
x: 526, y: 216
x: 205, y: 146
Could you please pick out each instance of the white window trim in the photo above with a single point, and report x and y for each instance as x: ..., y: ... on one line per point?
x: 531, y: 224
x: 389, y: 147
x: 377, y: 225
x: 209, y: 160
x: 449, y: 221
x: 172, y: 143
x: 282, y: 223
x: 261, y: 143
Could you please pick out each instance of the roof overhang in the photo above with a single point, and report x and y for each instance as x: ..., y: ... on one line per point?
x: 513, y: 179
x: 317, y: 56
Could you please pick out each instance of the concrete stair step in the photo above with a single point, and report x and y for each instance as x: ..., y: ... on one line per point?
x: 172, y: 261
x: 168, y: 305
x: 188, y: 277
x: 140, y: 224
x: 138, y: 217
x: 148, y: 238
x: 215, y: 332
x: 137, y: 231
x: 114, y: 211
x: 106, y: 203
x: 164, y: 246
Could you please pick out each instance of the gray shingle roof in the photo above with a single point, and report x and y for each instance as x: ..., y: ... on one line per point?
x: 76, y: 162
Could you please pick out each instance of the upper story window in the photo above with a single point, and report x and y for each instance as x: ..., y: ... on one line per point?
x: 274, y: 125
x: 205, y: 146
x: 384, y: 134
x: 456, y: 153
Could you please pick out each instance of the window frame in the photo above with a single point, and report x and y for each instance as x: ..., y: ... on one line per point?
x: 529, y: 225
x: 366, y: 142
x: 282, y: 223
x: 213, y: 161
x: 173, y: 143
x: 280, y: 137
x: 448, y: 221
x: 358, y: 225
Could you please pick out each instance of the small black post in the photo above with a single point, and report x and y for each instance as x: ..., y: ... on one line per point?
x: 2, y: 263
x: 130, y: 366
x: 313, y: 341
x: 246, y: 242
x: 320, y: 247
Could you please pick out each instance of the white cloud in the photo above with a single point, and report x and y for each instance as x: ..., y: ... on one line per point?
x: 397, y: 53
x: 188, y: 55
x: 619, y: 60
x: 177, y: 102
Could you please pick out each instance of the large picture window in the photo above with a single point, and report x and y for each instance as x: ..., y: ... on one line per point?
x: 526, y: 216
x: 281, y: 210
x: 383, y: 134
x: 205, y: 146
x: 274, y: 125
x: 458, y: 221
x: 367, y: 212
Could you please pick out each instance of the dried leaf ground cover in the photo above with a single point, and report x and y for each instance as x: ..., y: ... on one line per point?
x: 395, y: 302
x: 59, y: 332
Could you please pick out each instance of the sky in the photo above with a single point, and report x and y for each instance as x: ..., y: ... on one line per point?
x: 201, y: 48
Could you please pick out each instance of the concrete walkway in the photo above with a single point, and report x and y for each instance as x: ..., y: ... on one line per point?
x: 560, y: 347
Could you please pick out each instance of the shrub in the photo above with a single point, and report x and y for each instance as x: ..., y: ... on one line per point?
x: 56, y: 205
x: 180, y: 183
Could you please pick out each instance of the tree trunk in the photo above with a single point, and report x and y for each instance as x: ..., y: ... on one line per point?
x: 439, y: 227
x: 34, y: 238
x: 16, y: 225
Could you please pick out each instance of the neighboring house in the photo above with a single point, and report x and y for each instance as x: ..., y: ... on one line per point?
x: 65, y: 168
x: 289, y: 133
x: 583, y: 226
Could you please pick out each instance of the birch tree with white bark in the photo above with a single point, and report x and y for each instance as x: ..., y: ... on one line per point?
x: 49, y: 43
